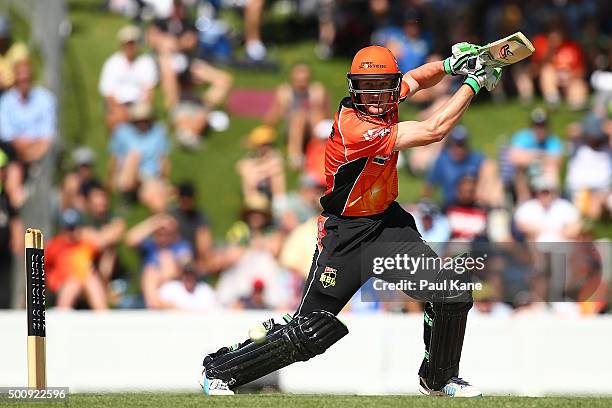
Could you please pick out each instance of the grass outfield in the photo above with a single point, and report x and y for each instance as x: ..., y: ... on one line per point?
x: 320, y: 401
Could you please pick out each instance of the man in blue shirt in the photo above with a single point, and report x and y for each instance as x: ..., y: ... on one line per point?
x: 139, y: 150
x: 164, y: 254
x: 534, y: 151
x: 409, y: 45
x: 455, y: 161
x: 27, y: 116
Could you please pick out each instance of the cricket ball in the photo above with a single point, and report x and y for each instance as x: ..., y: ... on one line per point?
x: 258, y: 333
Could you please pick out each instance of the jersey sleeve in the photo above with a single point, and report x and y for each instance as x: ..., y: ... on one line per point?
x: 363, y: 137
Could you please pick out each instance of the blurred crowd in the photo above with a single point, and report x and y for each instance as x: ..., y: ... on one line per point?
x: 539, y: 186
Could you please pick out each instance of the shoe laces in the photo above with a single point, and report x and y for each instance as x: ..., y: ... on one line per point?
x: 218, y: 384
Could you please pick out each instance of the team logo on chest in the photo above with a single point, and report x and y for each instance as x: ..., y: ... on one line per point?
x: 372, y: 134
x: 328, y: 277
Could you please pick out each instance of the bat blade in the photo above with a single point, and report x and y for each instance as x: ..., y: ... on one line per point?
x: 507, y: 51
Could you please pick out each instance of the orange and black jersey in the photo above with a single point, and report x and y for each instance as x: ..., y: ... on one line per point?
x: 360, y: 164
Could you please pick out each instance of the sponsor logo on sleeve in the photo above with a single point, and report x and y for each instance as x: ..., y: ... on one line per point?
x: 380, y: 160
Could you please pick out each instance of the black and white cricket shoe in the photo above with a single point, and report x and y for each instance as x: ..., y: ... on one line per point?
x: 214, y: 386
x: 455, y: 387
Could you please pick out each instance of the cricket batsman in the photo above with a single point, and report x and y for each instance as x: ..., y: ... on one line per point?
x: 359, y: 208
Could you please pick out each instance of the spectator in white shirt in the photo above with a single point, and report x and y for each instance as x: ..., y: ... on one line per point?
x: 126, y: 77
x: 547, y: 218
x: 589, y: 171
x: 187, y: 293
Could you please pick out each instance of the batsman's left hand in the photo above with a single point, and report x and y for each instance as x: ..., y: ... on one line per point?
x: 464, y: 59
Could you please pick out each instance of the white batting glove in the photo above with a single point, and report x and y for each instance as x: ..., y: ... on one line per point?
x: 463, y: 60
x: 486, y: 77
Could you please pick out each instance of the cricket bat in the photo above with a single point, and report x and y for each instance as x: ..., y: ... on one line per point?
x: 508, y: 50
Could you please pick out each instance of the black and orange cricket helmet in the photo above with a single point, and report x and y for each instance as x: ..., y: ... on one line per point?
x: 371, y: 65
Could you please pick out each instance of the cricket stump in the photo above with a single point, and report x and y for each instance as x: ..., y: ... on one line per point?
x: 35, y: 308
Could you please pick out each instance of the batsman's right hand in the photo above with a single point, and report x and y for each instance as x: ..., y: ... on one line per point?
x: 486, y: 77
